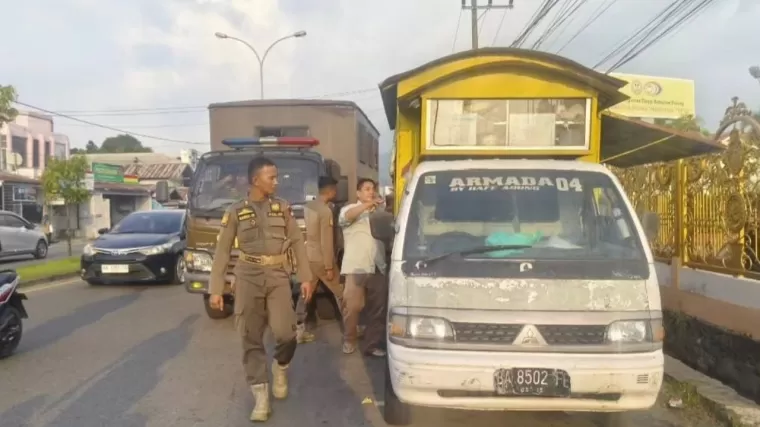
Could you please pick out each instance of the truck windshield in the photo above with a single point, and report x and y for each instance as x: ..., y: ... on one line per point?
x: 222, y: 180
x: 544, y: 214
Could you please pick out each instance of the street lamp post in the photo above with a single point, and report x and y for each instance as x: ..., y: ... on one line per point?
x: 261, y: 59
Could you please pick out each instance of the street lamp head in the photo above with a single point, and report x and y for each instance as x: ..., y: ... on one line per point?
x: 299, y: 34
x: 754, y: 71
x: 221, y: 35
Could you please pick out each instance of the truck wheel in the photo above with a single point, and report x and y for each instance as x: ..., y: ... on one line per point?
x: 216, y: 314
x: 327, y: 308
x: 395, y: 412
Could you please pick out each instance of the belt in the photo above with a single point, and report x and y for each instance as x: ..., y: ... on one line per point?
x: 265, y: 260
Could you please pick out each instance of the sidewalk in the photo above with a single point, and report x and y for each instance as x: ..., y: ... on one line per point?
x: 721, y: 400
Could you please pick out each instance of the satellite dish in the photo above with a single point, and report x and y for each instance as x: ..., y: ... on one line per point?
x: 15, y: 160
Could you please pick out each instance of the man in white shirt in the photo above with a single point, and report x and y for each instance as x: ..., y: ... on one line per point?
x: 365, y: 269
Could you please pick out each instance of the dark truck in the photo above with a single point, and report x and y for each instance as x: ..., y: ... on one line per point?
x: 221, y: 179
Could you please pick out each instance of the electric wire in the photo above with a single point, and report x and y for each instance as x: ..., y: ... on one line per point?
x: 594, y: 16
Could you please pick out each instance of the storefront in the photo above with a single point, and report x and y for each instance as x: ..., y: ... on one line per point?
x: 21, y: 195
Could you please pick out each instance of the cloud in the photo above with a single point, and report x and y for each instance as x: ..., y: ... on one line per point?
x: 112, y: 54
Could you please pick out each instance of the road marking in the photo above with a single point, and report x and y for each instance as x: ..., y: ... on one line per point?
x: 36, y: 288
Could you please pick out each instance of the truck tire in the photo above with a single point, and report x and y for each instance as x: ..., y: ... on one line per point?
x: 395, y: 412
x: 216, y: 314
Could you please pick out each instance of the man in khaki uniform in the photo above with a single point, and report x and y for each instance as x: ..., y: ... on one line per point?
x: 265, y: 229
x: 320, y: 248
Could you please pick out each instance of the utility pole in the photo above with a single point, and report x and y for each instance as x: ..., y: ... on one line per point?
x: 473, y: 6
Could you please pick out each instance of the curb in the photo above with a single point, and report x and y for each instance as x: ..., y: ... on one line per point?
x: 723, y: 402
x: 28, y: 283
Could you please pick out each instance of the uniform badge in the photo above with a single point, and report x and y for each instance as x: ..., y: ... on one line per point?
x: 253, y: 222
x: 275, y: 207
x: 225, y: 219
x: 245, y: 213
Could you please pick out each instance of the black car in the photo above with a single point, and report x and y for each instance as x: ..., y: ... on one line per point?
x: 143, y: 247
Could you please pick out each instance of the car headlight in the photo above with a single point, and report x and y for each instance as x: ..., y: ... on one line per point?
x: 636, y: 331
x: 159, y: 249
x: 419, y: 327
x: 88, y: 250
x: 198, y: 261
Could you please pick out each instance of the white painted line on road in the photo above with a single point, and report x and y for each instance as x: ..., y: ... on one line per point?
x: 58, y: 284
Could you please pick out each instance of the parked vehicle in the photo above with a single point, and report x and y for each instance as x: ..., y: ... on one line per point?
x: 12, y: 312
x: 143, y: 247
x: 20, y: 237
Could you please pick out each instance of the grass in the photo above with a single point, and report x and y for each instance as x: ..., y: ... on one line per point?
x: 698, y: 409
x: 49, y: 269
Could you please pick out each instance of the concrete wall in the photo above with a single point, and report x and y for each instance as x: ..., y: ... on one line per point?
x: 712, y: 323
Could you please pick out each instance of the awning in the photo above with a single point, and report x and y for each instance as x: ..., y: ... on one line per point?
x: 119, y: 189
x: 630, y: 142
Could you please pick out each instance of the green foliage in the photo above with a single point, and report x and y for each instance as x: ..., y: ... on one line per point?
x: 687, y: 123
x: 49, y: 270
x: 121, y: 144
x: 65, y: 179
x: 7, y: 96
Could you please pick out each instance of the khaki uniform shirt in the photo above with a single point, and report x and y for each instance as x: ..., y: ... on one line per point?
x: 262, y: 228
x: 320, y: 244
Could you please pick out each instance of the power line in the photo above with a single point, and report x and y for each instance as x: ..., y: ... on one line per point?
x: 177, y: 125
x: 594, y: 16
x: 192, y: 108
x: 456, y: 32
x: 570, y: 9
x: 622, y: 45
x: 498, y: 29
x: 540, y: 14
x: 473, y: 7
x: 563, y: 27
x: 674, y: 28
x: 111, y: 128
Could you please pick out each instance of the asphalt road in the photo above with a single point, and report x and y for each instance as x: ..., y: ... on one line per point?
x: 55, y: 251
x: 148, y: 356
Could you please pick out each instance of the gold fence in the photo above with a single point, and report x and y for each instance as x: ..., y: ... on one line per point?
x: 708, y: 206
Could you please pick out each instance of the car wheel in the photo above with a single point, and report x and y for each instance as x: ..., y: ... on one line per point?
x: 41, y: 250
x: 178, y: 277
x: 395, y: 412
x: 11, y: 336
x: 216, y: 314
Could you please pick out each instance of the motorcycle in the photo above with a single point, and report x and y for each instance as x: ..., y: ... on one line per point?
x: 12, y: 312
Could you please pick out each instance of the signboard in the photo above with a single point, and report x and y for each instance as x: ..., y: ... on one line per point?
x: 104, y: 172
x: 24, y: 193
x: 655, y: 97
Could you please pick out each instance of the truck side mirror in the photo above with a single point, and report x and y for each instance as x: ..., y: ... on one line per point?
x: 381, y: 224
x: 650, y: 221
x: 342, y: 190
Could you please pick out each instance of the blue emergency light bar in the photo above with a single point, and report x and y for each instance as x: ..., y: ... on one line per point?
x: 289, y: 141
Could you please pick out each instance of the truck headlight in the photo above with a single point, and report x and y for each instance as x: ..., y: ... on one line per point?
x: 636, y: 331
x: 419, y: 327
x: 198, y: 261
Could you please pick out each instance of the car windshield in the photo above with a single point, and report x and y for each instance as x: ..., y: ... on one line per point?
x: 149, y: 223
x: 548, y: 214
x: 222, y: 180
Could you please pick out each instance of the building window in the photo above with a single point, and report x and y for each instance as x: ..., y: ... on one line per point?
x: 18, y: 146
x: 48, y: 154
x: 36, y: 154
x: 60, y: 150
x: 291, y: 131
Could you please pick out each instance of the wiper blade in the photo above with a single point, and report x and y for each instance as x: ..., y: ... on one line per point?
x: 472, y: 251
x: 221, y: 207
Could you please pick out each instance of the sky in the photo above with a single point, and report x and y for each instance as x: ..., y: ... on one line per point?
x: 93, y: 59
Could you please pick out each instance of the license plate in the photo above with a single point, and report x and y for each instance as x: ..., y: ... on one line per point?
x: 531, y: 382
x: 115, y: 269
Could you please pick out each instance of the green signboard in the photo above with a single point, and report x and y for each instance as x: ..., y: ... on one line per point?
x: 103, y: 172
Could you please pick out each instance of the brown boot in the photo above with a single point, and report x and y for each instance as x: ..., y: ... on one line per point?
x: 280, y: 380
x: 262, y: 410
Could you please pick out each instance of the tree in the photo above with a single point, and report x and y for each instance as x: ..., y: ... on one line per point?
x: 91, y: 147
x: 686, y: 123
x: 7, y: 97
x: 122, y: 144
x: 64, y: 179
